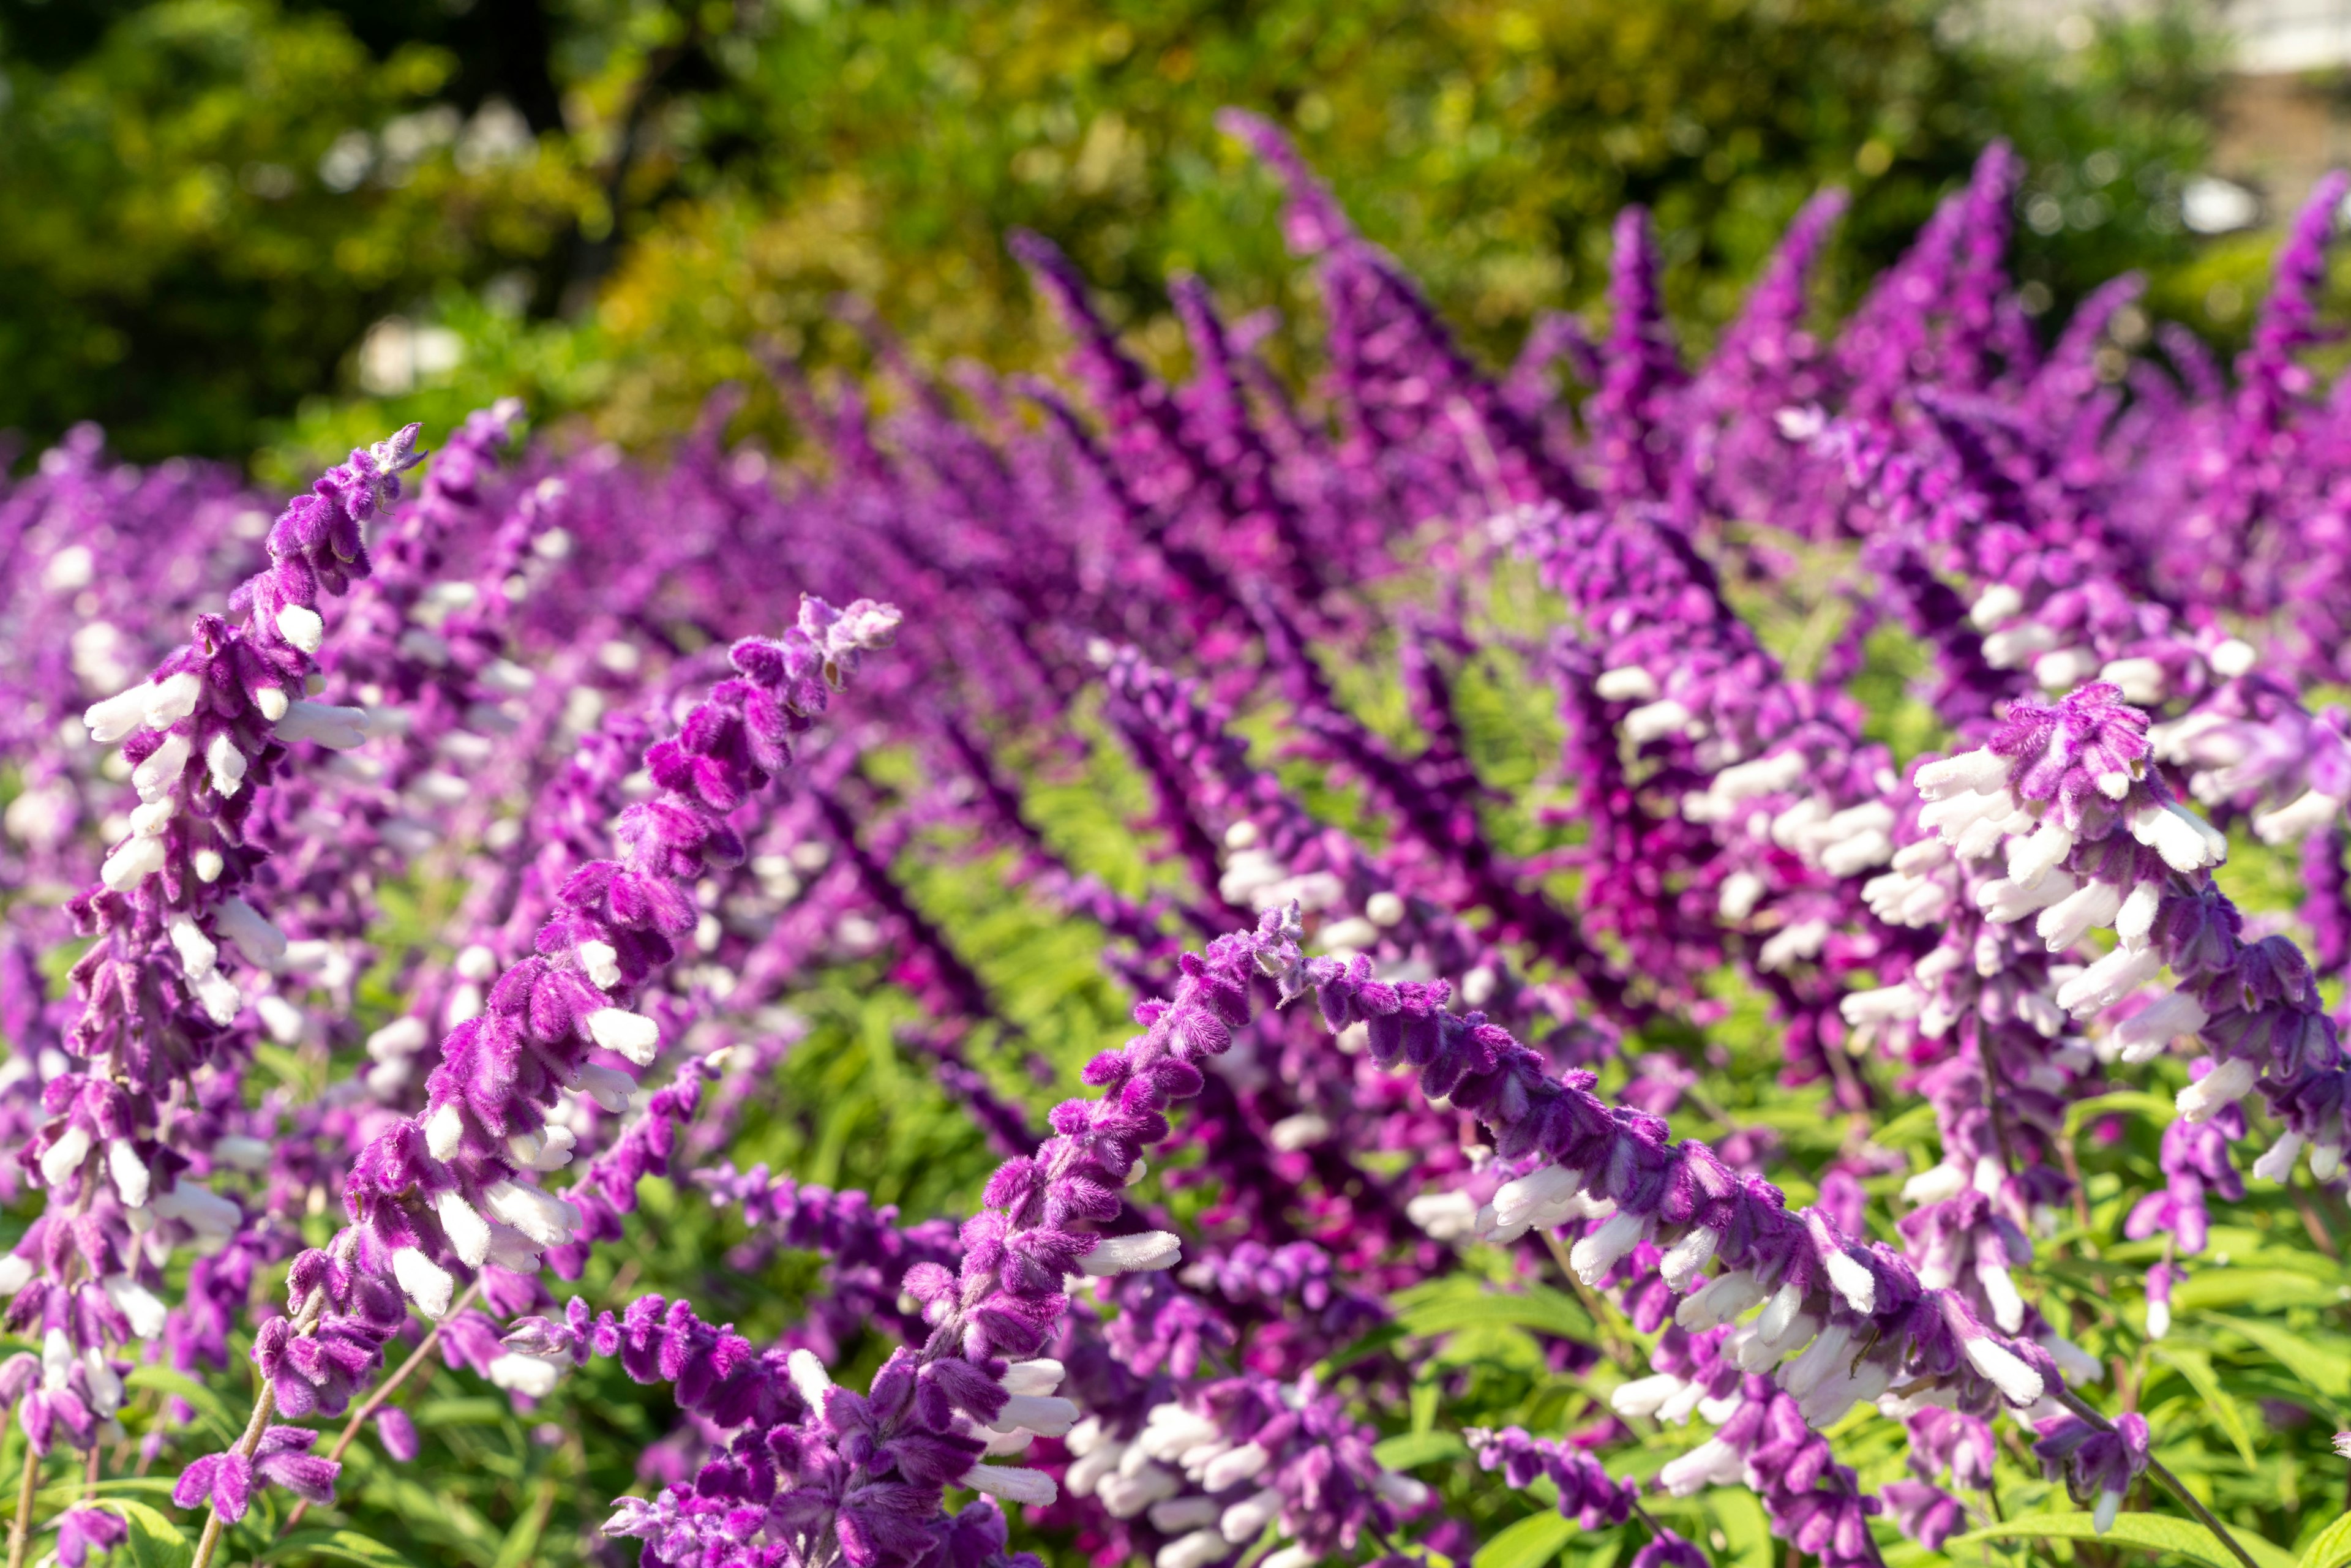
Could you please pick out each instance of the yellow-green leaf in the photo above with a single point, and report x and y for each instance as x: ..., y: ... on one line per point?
x: 2197, y: 1367
x: 2333, y: 1547
x: 2153, y: 1532
x: 1418, y: 1448
x: 2325, y: 1368
x: 1530, y: 1543
x: 1536, y: 1308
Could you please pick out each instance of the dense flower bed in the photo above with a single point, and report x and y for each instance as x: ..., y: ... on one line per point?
x: 1416, y: 1027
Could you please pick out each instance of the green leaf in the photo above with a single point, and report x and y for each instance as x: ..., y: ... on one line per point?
x: 2333, y: 1547
x: 336, y: 1546
x: 1418, y: 1448
x: 2325, y: 1368
x: 522, y: 1542
x: 2156, y: 1108
x: 1538, y: 1308
x: 2155, y: 1532
x: 1531, y: 1542
x: 2272, y: 1289
x: 201, y: 1399
x: 156, y: 1540
x: 2197, y: 1367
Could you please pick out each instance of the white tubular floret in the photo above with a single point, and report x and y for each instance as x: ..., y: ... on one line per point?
x: 1802, y: 940
x: 2292, y: 823
x: 1598, y: 1252
x: 1645, y: 1395
x: 549, y: 1149
x: 1012, y: 1483
x: 133, y: 1179
x: 540, y: 1215
x: 2185, y: 840
x: 628, y: 1034
x: 1540, y: 1197
x: 1041, y: 1375
x: 809, y: 1375
x: 601, y: 961
x: 2030, y: 859
x: 1247, y: 1519
x: 136, y: 1303
x: 2065, y: 922
x: 337, y: 729
x: 155, y: 776
x: 468, y: 1232
x: 612, y: 1090
x: 301, y: 627
x: 261, y: 942
x: 2012, y: 646
x: 1740, y: 893
x: 226, y: 763
x: 1625, y: 683
x: 1713, y: 1463
x: 532, y: 1376
x: 1197, y: 1550
x: 1994, y: 605
x: 2146, y: 1035
x: 1132, y: 1254
x: 2000, y: 1290
x: 197, y: 954
x: 1654, y: 721
x: 2277, y: 1165
x: 1688, y: 1258
x: 2108, y: 980
x: 118, y: 715
x: 2135, y: 921
x: 1883, y: 1005
x: 1720, y: 1300
x: 1443, y: 1216
x: 1850, y: 1279
x: 1802, y: 1375
x: 200, y: 1209
x: 2142, y: 680
x: 1047, y: 1414
x: 2016, y: 1381
x: 1970, y: 773
x: 1179, y: 1514
x: 1236, y: 1466
x: 16, y: 1272
x: 1937, y: 1184
x: 2226, y: 1084
x: 63, y: 1158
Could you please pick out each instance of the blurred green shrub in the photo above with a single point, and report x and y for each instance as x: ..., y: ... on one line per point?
x: 607, y: 200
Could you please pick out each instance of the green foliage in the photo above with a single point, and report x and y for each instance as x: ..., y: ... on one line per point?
x: 178, y: 259
x: 610, y: 201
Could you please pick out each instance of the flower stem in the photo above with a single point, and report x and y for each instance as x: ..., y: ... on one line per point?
x: 389, y: 1386
x: 264, y: 1405
x: 20, y: 1529
x: 2171, y: 1483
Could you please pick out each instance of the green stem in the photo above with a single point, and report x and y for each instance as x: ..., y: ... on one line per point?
x: 2170, y: 1483
x: 20, y: 1529
x: 391, y: 1385
x: 264, y: 1403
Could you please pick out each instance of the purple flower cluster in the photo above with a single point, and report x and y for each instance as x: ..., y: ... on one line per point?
x: 1267, y: 632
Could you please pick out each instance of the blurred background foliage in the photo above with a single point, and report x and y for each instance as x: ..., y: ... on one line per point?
x: 236, y: 224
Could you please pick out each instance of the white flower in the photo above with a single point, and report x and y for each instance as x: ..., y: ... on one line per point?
x: 424, y: 1281
x: 1245, y: 1519
x: 2226, y: 1084
x: 132, y: 1177
x: 628, y: 1034
x: 136, y: 1303
x: 301, y: 627
x: 1132, y: 1254
x: 1599, y: 1252
x: 261, y: 942
x: 468, y: 1232
x: 204, y: 1211
x: 530, y: 1376
x: 537, y: 1213
x: 1197, y: 1549
x: 1627, y: 683
x: 63, y: 1158
x: 1012, y: 1483
x: 337, y: 729
x: 2018, y: 1382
